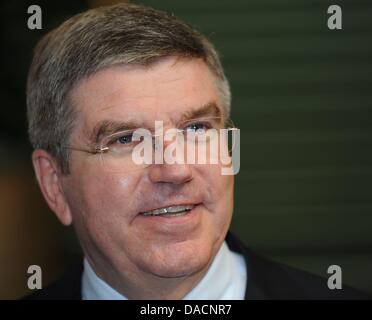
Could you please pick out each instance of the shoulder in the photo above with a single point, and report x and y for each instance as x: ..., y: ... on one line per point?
x: 66, y: 288
x: 271, y: 280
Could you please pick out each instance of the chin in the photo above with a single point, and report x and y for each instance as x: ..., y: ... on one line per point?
x: 180, y: 260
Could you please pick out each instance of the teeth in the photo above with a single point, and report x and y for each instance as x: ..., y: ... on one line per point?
x: 168, y: 210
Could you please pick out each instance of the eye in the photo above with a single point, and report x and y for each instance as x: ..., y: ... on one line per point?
x: 198, y: 126
x: 125, y: 139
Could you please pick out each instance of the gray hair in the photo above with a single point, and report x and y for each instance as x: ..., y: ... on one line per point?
x: 97, y: 39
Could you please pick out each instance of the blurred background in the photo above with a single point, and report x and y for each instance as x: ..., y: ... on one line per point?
x: 302, y: 96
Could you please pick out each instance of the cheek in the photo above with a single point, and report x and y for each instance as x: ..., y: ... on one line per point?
x: 220, y: 194
x: 225, y: 199
x: 103, y: 198
x: 103, y: 208
x: 220, y: 187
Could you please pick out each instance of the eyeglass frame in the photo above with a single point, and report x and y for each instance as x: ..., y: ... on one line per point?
x: 101, y: 149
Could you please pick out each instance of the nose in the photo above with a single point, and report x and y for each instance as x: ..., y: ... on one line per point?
x: 171, y: 173
x: 176, y: 173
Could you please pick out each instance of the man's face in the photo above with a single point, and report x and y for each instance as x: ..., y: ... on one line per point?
x: 106, y: 206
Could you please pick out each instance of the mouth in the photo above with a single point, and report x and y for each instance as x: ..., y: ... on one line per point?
x: 170, y: 211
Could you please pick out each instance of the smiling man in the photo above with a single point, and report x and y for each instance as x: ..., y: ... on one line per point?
x: 123, y: 242
x: 154, y: 231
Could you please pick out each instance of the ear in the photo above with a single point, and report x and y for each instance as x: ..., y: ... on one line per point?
x: 49, y: 179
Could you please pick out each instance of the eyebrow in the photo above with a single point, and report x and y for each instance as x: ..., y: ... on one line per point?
x: 106, y: 127
x: 208, y: 110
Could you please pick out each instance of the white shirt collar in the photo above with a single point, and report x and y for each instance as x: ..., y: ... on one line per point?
x: 225, y: 279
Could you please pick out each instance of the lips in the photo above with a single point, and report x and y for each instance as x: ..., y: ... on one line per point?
x: 173, y: 210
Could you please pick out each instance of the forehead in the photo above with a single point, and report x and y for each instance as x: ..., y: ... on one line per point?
x: 162, y: 91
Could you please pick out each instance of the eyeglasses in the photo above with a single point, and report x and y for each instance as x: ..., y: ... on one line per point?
x: 196, y: 141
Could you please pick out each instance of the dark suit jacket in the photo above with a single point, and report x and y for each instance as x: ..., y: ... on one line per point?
x: 266, y: 280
